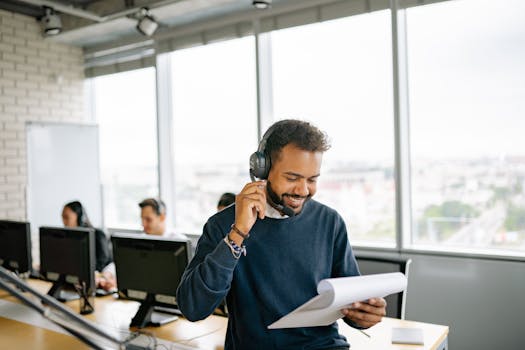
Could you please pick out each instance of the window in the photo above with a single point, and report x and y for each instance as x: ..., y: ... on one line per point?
x: 125, y: 109
x: 467, y: 107
x: 338, y: 75
x: 214, y: 126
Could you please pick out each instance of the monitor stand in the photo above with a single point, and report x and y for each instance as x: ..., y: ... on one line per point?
x: 68, y: 295
x: 159, y: 318
x: 173, y: 310
x: 147, y: 316
x: 63, y: 291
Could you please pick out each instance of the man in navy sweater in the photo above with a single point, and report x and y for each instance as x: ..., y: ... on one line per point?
x: 267, y: 253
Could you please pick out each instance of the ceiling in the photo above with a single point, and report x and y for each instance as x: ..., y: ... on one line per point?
x: 89, y: 23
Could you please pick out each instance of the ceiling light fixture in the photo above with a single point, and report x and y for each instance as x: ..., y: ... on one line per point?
x: 147, y: 25
x: 51, y: 22
x: 262, y: 4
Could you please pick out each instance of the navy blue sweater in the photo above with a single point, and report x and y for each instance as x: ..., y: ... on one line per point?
x: 286, y: 259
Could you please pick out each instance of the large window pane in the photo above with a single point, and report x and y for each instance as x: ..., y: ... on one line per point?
x: 338, y: 75
x: 467, y: 107
x: 214, y: 126
x: 125, y: 110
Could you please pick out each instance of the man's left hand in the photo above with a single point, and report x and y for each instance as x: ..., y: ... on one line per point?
x: 366, y: 313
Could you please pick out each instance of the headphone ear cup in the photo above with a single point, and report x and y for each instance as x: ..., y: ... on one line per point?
x: 259, y: 165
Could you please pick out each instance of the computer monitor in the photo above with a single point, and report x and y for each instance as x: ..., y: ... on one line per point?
x: 15, y: 246
x: 149, y: 269
x: 67, y: 258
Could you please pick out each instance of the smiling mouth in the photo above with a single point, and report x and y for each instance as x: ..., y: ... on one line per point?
x: 294, y: 201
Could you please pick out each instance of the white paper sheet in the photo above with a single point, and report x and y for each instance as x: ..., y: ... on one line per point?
x: 336, y: 294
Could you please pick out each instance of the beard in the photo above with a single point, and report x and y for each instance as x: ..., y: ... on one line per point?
x: 275, y: 199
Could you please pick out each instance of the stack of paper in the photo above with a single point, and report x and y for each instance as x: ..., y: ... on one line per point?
x: 407, y: 336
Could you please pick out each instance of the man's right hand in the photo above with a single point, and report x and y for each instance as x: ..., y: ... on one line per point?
x: 250, y: 203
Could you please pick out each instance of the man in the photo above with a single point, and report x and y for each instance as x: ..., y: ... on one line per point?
x: 268, y: 252
x: 153, y: 215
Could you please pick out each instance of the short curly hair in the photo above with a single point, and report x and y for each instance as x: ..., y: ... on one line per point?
x: 298, y: 132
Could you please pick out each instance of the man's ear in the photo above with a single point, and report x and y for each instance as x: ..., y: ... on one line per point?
x: 162, y: 217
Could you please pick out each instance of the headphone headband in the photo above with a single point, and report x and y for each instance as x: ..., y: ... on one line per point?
x: 264, y: 139
x: 260, y: 161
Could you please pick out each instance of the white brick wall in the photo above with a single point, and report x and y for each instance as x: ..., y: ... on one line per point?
x: 39, y: 81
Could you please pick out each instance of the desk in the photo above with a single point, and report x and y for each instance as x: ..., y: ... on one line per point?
x: 207, y: 334
x: 435, y: 336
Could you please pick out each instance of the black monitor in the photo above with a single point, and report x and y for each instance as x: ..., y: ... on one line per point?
x: 149, y: 269
x: 67, y: 258
x: 15, y: 246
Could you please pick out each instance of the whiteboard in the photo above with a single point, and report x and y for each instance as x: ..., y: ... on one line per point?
x: 62, y: 166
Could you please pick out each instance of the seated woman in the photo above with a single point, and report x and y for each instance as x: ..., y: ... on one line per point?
x: 226, y: 200
x: 74, y: 215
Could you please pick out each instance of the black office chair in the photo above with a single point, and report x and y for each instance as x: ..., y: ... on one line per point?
x: 372, y: 264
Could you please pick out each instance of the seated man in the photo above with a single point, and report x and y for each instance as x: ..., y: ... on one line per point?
x: 153, y: 215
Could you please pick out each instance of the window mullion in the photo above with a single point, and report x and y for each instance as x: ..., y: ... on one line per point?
x: 401, y: 126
